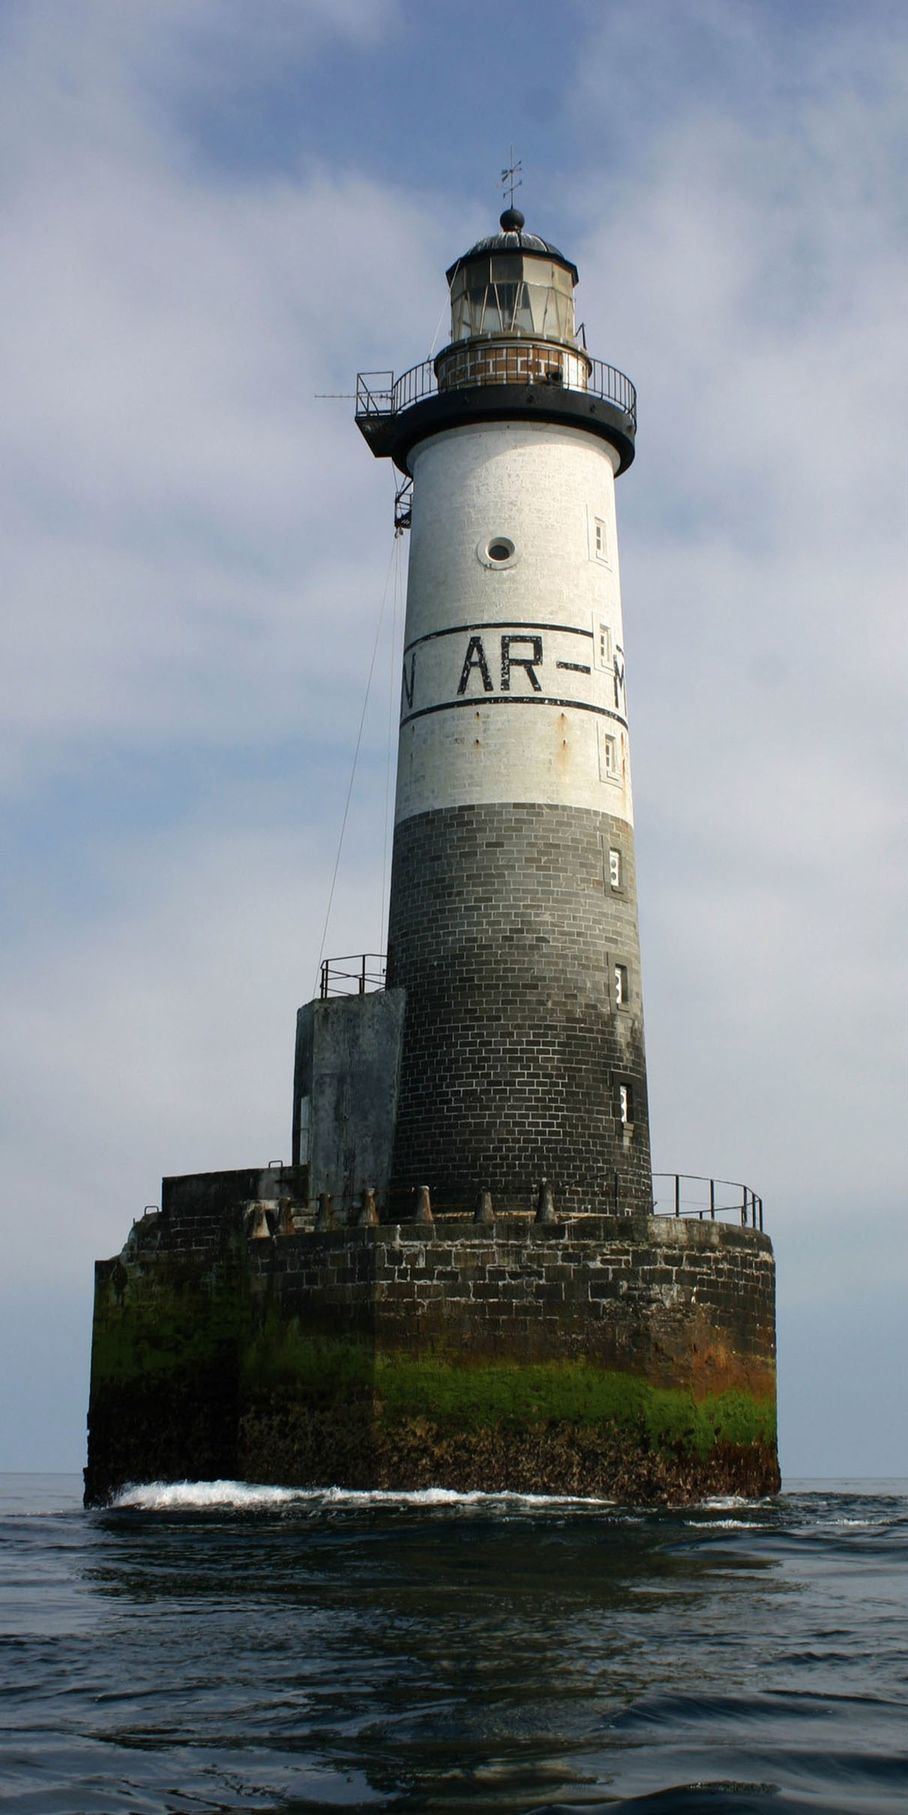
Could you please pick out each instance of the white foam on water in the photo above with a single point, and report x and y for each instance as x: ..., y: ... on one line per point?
x: 719, y: 1524
x: 244, y: 1496
x: 199, y: 1496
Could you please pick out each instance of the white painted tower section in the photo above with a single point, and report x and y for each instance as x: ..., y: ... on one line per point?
x: 514, y: 687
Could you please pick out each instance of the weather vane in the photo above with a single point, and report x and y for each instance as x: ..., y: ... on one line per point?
x: 510, y: 178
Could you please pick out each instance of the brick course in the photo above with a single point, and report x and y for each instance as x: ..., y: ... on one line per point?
x: 680, y: 1302
x: 511, y: 362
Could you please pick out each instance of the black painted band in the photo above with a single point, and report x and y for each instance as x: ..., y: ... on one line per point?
x: 513, y: 699
x: 569, y: 630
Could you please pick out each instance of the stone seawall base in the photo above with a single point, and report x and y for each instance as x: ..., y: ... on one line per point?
x: 626, y: 1357
x: 292, y: 1446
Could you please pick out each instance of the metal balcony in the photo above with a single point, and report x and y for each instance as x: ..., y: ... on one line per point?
x: 380, y: 394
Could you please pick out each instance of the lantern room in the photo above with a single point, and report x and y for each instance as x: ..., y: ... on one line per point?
x: 513, y: 283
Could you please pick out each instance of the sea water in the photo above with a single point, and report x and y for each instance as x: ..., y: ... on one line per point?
x: 220, y: 1647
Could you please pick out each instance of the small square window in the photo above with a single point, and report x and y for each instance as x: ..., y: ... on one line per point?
x: 621, y: 992
x: 608, y: 756
x: 600, y: 539
x: 625, y: 1105
x: 614, y: 868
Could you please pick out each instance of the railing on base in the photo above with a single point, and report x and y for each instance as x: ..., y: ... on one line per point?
x: 368, y: 974
x: 746, y: 1205
x: 381, y: 394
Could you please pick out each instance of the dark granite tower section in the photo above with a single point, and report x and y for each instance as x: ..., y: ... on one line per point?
x: 506, y: 933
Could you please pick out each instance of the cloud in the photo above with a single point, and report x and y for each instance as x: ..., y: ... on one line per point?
x: 180, y: 506
x: 750, y: 273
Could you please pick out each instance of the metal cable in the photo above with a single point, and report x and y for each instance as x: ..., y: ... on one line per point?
x: 392, y: 694
x: 359, y: 739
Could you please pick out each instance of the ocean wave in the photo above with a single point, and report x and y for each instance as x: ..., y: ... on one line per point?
x: 732, y: 1502
x: 719, y: 1524
x: 244, y: 1496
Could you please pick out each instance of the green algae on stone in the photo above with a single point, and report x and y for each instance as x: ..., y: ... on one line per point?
x: 568, y: 1392
x: 160, y: 1323
x: 282, y: 1358
x: 280, y: 1355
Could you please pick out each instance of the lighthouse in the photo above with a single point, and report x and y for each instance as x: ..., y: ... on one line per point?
x: 513, y: 910
x: 467, y: 1275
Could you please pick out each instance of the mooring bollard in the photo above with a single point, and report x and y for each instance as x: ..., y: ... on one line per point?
x: 423, y: 1211
x: 368, y: 1216
x: 545, y: 1204
x: 258, y: 1227
x: 325, y: 1217
x: 484, y: 1213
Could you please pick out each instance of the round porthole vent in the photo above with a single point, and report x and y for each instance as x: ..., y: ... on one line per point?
x: 498, y: 551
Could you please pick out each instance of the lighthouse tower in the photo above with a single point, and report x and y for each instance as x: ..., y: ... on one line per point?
x: 513, y: 910
x: 324, y: 1321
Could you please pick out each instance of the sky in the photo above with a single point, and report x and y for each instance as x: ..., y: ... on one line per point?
x: 213, y: 215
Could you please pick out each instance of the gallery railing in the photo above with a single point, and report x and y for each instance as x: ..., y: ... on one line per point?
x: 381, y: 394
x: 689, y: 1194
x: 353, y: 976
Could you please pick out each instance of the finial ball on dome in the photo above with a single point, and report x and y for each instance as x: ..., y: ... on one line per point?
x: 512, y: 220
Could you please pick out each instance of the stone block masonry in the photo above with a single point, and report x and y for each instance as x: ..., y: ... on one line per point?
x: 512, y: 362
x: 506, y: 932
x: 630, y: 1357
